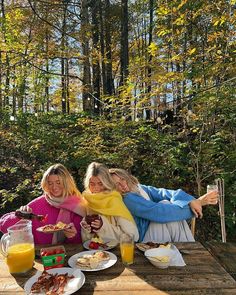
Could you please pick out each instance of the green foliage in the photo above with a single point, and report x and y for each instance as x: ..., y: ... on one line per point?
x: 186, y: 157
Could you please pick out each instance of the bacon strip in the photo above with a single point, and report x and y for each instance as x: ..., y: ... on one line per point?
x: 51, y: 284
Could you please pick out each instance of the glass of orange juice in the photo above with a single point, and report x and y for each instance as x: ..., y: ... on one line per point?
x: 127, y: 248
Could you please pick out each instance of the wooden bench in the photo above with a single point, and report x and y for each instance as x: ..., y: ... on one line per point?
x: 225, y: 253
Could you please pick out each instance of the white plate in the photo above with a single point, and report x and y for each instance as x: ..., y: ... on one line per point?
x: 110, y: 244
x: 72, y: 286
x: 103, y: 265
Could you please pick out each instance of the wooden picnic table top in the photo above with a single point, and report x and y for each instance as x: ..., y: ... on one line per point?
x: 225, y: 253
x: 202, y: 274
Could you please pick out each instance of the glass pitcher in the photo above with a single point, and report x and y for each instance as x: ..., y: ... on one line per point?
x: 18, y: 247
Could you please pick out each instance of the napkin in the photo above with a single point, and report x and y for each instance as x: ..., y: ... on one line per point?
x: 177, y: 259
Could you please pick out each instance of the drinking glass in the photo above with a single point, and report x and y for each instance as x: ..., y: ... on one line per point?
x: 90, y: 218
x: 127, y: 248
x: 212, y: 187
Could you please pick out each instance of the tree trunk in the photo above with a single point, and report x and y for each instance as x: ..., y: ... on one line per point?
x: 14, y: 93
x: 149, y: 87
x: 86, y: 97
x: 1, y: 96
x: 124, y: 50
x: 63, y: 63
x: 102, y: 42
x: 95, y: 65
x: 7, y: 72
x: 67, y: 86
x: 109, y: 78
x: 47, y: 75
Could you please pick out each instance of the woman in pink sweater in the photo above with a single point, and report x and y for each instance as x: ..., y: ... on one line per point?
x: 61, y: 201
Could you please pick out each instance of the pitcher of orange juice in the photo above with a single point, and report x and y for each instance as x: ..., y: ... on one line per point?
x: 18, y: 247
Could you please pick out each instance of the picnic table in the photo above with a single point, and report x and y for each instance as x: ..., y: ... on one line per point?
x: 203, y: 274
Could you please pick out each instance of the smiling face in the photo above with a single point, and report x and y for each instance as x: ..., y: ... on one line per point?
x: 121, y: 184
x: 95, y: 185
x: 55, y: 186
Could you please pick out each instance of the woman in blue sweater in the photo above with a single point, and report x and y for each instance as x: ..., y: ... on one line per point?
x: 160, y: 214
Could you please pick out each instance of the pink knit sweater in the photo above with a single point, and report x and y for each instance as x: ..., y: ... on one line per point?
x: 41, y: 206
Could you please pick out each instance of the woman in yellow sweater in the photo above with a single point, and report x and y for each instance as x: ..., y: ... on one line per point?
x: 102, y: 199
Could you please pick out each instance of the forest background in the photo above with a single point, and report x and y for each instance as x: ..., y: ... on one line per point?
x: 147, y: 85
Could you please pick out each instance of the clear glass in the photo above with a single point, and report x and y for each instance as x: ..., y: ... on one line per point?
x: 127, y: 248
x: 212, y: 187
x: 17, y: 245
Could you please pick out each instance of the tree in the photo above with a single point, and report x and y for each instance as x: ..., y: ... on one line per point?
x: 124, y: 43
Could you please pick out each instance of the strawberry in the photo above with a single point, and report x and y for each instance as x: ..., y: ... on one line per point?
x: 93, y: 245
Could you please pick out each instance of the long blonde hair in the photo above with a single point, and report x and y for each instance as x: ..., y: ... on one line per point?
x: 65, y: 177
x: 101, y: 171
x: 131, y: 180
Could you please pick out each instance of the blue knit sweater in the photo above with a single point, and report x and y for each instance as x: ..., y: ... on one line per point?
x: 145, y: 211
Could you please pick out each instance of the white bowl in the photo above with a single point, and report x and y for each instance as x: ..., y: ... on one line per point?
x: 160, y: 257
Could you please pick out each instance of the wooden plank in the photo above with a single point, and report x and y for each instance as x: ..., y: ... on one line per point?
x: 225, y: 253
x: 161, y: 281
x: 159, y: 292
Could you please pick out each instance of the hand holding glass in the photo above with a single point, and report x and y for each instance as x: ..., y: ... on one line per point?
x: 127, y: 248
x: 212, y: 187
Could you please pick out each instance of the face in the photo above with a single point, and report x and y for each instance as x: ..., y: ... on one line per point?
x: 55, y: 186
x: 95, y: 185
x: 121, y: 184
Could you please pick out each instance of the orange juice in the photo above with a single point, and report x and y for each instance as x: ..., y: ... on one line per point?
x: 20, y: 257
x: 127, y: 253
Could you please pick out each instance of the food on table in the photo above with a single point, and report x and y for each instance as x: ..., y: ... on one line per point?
x: 97, y: 242
x: 54, y: 227
x: 97, y: 239
x: 53, y: 257
x: 161, y: 258
x: 52, y: 250
x: 150, y: 245
x: 92, y: 261
x: 51, y: 284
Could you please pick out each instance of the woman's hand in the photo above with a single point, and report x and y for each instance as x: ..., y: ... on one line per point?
x: 93, y: 227
x: 25, y: 208
x: 85, y: 225
x: 71, y: 231
x: 210, y: 198
x: 196, y: 207
x: 96, y: 224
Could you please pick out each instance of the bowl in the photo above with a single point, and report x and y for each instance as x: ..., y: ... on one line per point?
x: 160, y: 257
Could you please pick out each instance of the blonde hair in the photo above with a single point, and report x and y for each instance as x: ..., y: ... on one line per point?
x: 131, y: 180
x: 101, y: 171
x: 65, y: 177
